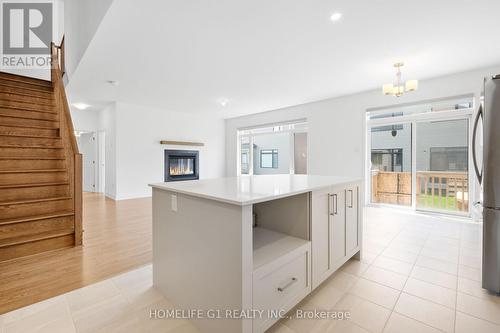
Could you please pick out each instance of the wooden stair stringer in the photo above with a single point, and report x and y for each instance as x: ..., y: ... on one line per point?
x: 40, y: 167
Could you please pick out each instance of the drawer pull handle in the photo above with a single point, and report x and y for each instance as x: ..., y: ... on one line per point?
x: 331, y: 212
x: 282, y: 289
x: 351, y: 205
x: 335, y: 204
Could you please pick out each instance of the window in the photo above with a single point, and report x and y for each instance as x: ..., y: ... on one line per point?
x: 244, y: 162
x: 258, y: 147
x: 245, y: 155
x: 387, y: 160
x: 418, y: 154
x: 452, y: 159
x: 388, y: 128
x: 451, y: 104
x: 269, y: 158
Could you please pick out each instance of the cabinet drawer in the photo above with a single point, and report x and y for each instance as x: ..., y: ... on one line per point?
x: 282, y: 288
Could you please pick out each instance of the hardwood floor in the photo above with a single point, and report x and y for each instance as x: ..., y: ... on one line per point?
x: 116, y: 238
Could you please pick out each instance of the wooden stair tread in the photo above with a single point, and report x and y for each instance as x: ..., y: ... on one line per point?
x: 32, y: 171
x: 4, y: 100
x: 30, y: 146
x: 34, y: 237
x: 31, y: 158
x: 12, y: 85
x: 62, y: 213
x: 23, y: 103
x: 31, y: 136
x: 34, y: 184
x: 24, y: 79
x: 33, y: 107
x: 24, y: 109
x: 22, y: 93
x: 18, y: 202
x: 28, y: 126
x: 28, y: 117
x: 15, y: 86
x: 40, y: 167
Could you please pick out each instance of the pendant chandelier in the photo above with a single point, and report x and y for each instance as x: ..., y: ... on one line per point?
x: 399, y: 87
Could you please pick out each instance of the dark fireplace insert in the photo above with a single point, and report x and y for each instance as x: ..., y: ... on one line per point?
x: 181, y: 165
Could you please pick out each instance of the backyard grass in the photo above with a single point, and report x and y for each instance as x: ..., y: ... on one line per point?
x: 426, y: 200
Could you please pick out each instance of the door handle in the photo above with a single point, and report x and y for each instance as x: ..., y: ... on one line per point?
x: 331, y: 212
x: 479, y: 174
x: 335, y: 204
x: 351, y: 202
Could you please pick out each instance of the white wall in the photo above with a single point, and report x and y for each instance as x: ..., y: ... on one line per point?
x: 133, y: 154
x: 85, y: 120
x: 81, y: 21
x: 78, y: 21
x: 337, y: 126
x: 140, y: 157
x: 337, y: 129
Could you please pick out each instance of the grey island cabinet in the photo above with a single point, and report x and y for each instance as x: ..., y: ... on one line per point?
x: 236, y: 254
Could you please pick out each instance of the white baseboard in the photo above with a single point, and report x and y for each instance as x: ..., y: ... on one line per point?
x: 110, y: 196
x: 129, y: 197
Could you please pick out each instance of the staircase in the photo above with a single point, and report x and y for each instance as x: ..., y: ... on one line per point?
x: 40, y: 167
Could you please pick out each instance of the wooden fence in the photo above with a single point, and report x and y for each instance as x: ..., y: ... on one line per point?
x: 391, y: 188
x: 435, y: 190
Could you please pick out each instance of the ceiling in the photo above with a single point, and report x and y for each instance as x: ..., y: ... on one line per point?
x: 261, y: 55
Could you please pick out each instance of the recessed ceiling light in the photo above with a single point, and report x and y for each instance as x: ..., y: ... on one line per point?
x: 336, y: 16
x: 113, y: 82
x: 81, y: 106
x: 223, y: 101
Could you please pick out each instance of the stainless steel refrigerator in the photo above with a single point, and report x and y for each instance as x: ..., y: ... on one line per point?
x: 489, y: 176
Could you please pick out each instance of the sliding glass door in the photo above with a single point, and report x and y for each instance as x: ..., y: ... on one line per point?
x: 391, y: 164
x: 442, y: 165
x: 418, y: 156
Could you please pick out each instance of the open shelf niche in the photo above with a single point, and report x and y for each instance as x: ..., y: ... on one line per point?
x: 282, y: 227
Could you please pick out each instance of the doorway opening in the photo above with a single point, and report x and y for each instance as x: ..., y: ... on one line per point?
x: 273, y: 149
x: 92, y: 147
x: 418, y: 156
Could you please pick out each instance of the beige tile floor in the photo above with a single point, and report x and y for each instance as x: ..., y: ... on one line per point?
x: 418, y: 274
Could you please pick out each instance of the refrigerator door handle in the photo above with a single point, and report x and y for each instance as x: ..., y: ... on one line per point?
x: 479, y: 174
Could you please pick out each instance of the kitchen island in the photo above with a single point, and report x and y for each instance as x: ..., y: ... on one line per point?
x: 238, y: 253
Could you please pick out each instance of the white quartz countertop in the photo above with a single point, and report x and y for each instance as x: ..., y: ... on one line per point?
x: 246, y: 190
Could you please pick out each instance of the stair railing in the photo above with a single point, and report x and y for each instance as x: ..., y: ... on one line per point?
x: 67, y: 133
x: 59, y: 51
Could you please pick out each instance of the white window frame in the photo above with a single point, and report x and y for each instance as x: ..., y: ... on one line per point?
x: 243, y: 132
x: 413, y: 119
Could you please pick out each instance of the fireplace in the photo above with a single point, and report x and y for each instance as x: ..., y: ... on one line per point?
x: 181, y: 165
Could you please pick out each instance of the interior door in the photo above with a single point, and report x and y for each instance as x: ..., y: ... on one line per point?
x: 101, y: 169
x: 88, y: 148
x: 300, y: 153
x: 352, y: 218
x: 337, y: 227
